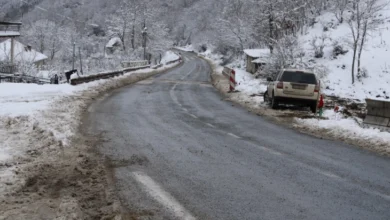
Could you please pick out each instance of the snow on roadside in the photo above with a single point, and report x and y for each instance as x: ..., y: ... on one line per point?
x: 248, y: 84
x: 169, y: 56
x: 43, y: 118
x: 17, y: 99
x: 344, y: 129
x: 188, y: 48
x: 250, y: 89
x: 348, y: 129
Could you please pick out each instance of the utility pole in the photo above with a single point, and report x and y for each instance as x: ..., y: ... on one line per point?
x: 144, y: 35
x: 74, y: 55
x: 12, y: 54
x: 81, y: 62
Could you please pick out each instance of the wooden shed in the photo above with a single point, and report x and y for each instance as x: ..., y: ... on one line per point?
x: 256, y: 58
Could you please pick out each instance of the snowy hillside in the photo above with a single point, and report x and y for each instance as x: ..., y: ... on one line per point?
x: 375, y: 59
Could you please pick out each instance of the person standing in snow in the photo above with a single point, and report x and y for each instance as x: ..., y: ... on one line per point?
x: 321, y: 106
x: 56, y: 79
x: 69, y: 74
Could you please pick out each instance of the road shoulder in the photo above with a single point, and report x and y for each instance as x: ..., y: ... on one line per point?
x: 291, y: 119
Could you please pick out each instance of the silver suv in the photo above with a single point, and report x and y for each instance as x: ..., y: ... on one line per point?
x: 293, y: 86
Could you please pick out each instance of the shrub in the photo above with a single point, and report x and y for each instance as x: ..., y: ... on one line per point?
x: 339, y: 50
x: 362, y: 74
x: 318, y: 44
x: 321, y: 71
x: 203, y: 48
x: 318, y: 53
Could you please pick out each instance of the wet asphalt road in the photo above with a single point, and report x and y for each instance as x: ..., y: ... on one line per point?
x: 220, y: 162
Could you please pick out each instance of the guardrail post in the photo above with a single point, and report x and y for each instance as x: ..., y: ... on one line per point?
x: 378, y: 114
x: 231, y: 75
x: 232, y: 80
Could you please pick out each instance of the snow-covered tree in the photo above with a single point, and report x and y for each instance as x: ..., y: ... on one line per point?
x: 364, y: 17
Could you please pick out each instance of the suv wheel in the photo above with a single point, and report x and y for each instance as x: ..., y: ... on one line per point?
x: 313, y: 107
x: 266, y: 97
x: 274, y: 103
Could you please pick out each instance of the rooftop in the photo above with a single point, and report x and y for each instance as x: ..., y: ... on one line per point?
x: 257, y: 53
x: 10, y: 29
x: 21, y: 51
x: 10, y: 23
x: 9, y: 34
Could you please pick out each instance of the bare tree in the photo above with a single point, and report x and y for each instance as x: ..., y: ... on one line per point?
x: 123, y: 22
x: 364, y: 18
x: 47, y: 36
x: 318, y: 44
x: 339, y: 8
x: 236, y: 24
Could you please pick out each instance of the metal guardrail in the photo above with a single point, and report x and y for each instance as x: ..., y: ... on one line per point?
x: 157, y: 66
x: 107, y: 75
x: 378, y: 114
x: 131, y: 64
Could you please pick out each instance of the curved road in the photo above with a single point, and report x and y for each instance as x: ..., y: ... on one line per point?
x: 181, y: 152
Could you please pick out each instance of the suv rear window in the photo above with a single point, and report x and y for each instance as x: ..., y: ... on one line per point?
x: 298, y: 77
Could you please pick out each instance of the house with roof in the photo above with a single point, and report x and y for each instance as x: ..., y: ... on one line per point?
x: 256, y: 59
x: 13, y: 51
x: 113, y: 45
x: 9, y: 30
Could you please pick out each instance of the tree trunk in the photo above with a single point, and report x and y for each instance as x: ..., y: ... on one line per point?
x: 271, y: 32
x: 354, y: 61
x: 124, y: 36
x: 133, y: 37
x: 42, y: 46
x: 53, y: 51
x: 363, y: 38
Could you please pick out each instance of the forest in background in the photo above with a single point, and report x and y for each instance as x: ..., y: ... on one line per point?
x: 225, y: 26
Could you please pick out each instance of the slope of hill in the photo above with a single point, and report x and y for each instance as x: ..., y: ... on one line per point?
x: 374, y: 59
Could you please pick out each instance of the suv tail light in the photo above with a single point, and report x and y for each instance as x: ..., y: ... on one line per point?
x: 317, y: 88
x: 279, y: 85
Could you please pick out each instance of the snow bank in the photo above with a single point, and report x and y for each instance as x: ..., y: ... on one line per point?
x: 48, y: 113
x: 18, y: 99
x: 188, y: 48
x: 374, y: 59
x: 348, y: 129
x: 248, y: 84
x: 168, y: 57
x: 25, y: 106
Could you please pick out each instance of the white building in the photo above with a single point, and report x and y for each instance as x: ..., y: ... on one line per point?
x: 21, y: 53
